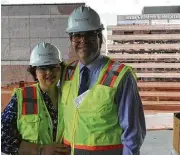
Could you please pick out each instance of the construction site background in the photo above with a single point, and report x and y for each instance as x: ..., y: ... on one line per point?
x: 150, y: 46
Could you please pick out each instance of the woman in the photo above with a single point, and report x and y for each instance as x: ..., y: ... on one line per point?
x: 30, y: 120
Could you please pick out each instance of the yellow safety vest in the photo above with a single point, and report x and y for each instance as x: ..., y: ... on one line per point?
x: 33, y: 121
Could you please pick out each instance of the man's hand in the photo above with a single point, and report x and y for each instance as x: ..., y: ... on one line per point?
x: 55, y: 149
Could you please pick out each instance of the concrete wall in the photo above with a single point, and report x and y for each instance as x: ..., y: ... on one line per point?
x: 22, y: 27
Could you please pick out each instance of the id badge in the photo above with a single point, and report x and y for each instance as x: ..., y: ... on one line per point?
x: 78, y: 100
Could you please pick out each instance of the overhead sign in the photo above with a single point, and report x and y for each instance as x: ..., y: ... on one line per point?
x: 149, y: 16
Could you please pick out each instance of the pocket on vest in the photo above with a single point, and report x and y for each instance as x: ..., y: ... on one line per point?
x: 102, y: 98
x: 29, y: 127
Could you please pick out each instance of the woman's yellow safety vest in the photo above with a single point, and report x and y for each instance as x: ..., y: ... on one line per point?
x: 33, y: 121
x: 91, y: 122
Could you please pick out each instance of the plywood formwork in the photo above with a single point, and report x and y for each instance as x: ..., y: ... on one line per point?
x: 145, y: 56
x: 117, y: 47
x: 157, y: 65
x: 145, y: 37
x: 144, y: 27
x: 154, y: 65
x: 160, y: 96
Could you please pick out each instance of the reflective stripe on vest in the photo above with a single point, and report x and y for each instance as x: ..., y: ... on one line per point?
x: 110, y: 76
x: 70, y: 71
x: 29, y: 104
x: 95, y: 148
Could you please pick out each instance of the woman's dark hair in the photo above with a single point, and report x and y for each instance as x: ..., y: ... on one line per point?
x: 32, y: 71
x: 62, y: 65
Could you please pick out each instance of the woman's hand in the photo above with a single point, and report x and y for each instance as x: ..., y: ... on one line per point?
x: 28, y: 148
x: 49, y: 149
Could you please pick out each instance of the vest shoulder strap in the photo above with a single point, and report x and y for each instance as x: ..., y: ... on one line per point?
x: 112, y: 72
x: 69, y: 73
x: 29, y: 102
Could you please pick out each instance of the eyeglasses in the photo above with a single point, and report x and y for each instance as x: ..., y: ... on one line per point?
x: 77, y: 37
x: 45, y: 68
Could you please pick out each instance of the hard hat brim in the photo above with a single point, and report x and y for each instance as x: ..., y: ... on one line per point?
x: 45, y: 63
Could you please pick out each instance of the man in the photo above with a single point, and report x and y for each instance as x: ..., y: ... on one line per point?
x: 103, y: 113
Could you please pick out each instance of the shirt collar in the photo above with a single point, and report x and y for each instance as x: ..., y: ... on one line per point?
x: 93, y: 65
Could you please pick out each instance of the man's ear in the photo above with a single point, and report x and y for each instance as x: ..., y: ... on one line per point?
x: 100, y: 39
x: 70, y: 38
